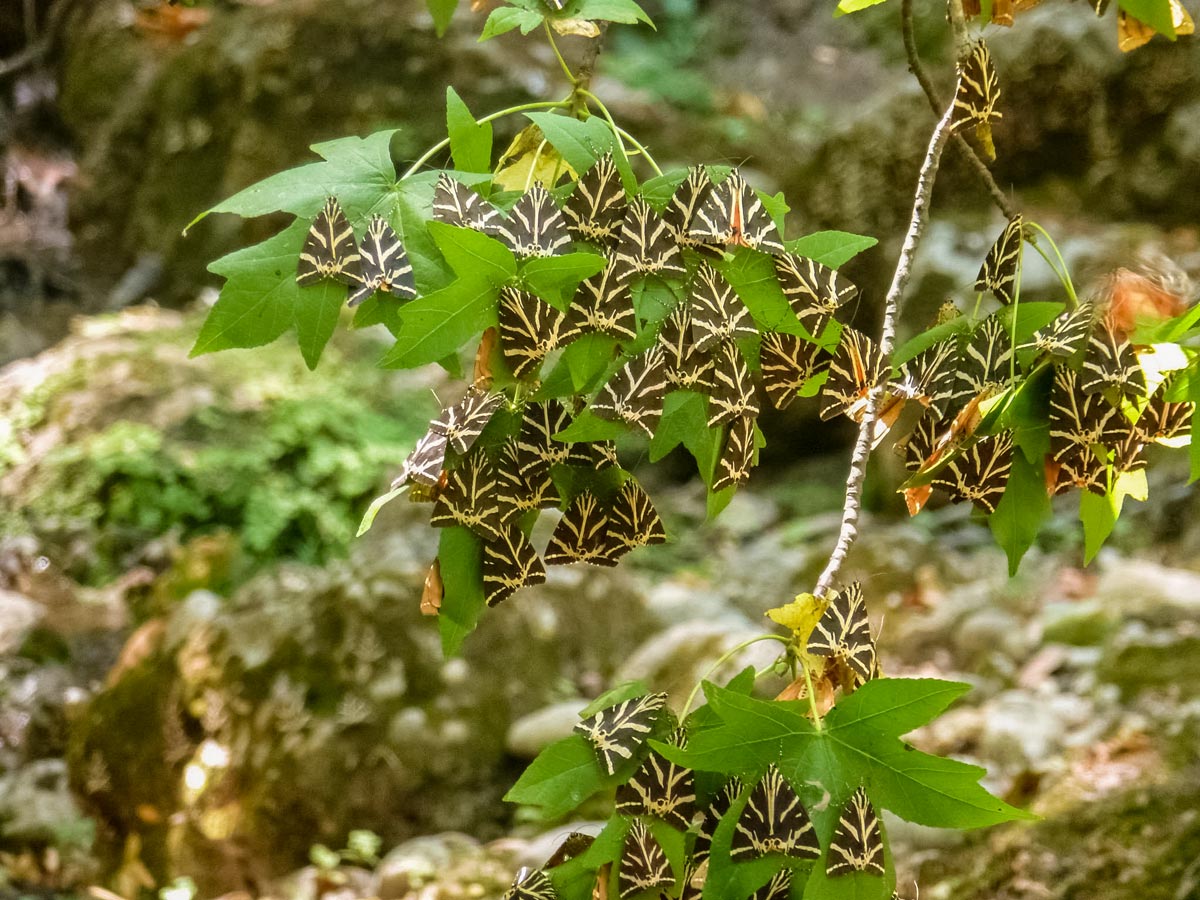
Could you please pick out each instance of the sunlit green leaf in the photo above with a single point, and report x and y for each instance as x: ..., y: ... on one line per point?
x: 582, y: 142
x: 439, y: 324
x: 1155, y: 13
x: 560, y: 778
x: 442, y: 12
x: 624, y: 11
x: 587, y: 426
x: 1021, y: 511
x: 460, y: 554
x: 470, y: 141
x: 555, y: 278
x: 831, y: 248
x: 472, y: 254
x: 505, y: 18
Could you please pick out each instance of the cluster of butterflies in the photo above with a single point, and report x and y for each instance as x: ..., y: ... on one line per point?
x: 1101, y: 415
x: 773, y: 821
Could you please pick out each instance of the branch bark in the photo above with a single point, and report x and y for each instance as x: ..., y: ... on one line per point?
x: 887, y: 338
x: 935, y: 102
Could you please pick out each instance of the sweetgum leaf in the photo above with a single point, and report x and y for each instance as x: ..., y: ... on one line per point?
x: 461, y: 555
x: 1021, y: 511
x: 560, y: 778
x: 831, y: 248
x: 435, y: 326
x: 470, y: 141
x: 624, y: 11
x: 472, y: 254
x: 506, y: 18
x: 555, y: 278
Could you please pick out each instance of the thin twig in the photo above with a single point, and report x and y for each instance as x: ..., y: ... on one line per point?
x: 935, y: 102
x: 958, y: 22
x: 586, y: 70
x: 887, y: 337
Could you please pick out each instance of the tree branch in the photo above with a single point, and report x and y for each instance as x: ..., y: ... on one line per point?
x: 887, y: 337
x: 586, y: 70
x: 935, y: 102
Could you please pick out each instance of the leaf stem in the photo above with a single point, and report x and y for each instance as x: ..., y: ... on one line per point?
x: 1060, y: 270
x: 621, y: 134
x: 812, y: 698
x: 557, y: 55
x: 512, y: 110
x: 721, y: 660
x: 887, y: 337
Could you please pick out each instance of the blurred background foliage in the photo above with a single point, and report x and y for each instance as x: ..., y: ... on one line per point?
x: 204, y: 676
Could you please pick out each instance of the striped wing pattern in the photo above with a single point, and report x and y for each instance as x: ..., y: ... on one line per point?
x: 604, y: 304
x: 778, y: 888
x: 456, y: 204
x: 734, y: 214
x: 581, y: 535
x: 618, y: 732
x: 929, y: 376
x: 815, y: 292
x: 1111, y: 363
x: 718, y: 314
x: 520, y: 493
x: 463, y: 422
x: 661, y: 789
x: 330, y: 251
x: 509, y: 564
x: 536, y: 445
x: 1082, y: 469
x: 732, y: 394
x: 855, y: 370
x: 531, y: 884
x: 788, y: 361
x: 644, y: 865
x: 691, y: 194
x: 977, y: 91
x: 632, y: 520
x: 843, y: 633
x: 1162, y: 421
x: 635, y: 394
x: 686, y: 367
x: 721, y: 803
x: 645, y: 245
x: 986, y: 361
x: 594, y: 211
x: 737, y: 456
x: 979, y: 473
x: 535, y: 226
x: 530, y: 328
x: 424, y: 465
x: 1066, y: 335
x: 998, y: 273
x: 575, y: 843
x: 774, y: 821
x: 385, y: 265
x: 1079, y: 420
x: 918, y: 446
x: 857, y: 844
x: 470, y: 498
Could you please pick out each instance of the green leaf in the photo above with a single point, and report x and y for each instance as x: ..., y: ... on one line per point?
x: 1099, y: 515
x: 776, y: 206
x: 470, y: 141
x: 315, y: 315
x: 653, y: 299
x: 438, y: 324
x: 506, y: 18
x: 657, y: 191
x: 685, y: 413
x: 555, y: 278
x: 442, y: 12
x: 624, y: 11
x: 587, y: 426
x: 845, y: 7
x: 373, y: 510
x: 926, y: 339
x: 752, y: 275
x: 831, y: 248
x: 561, y: 777
x: 581, y: 143
x: 1155, y: 13
x: 1028, y: 415
x: 258, y: 300
x: 587, y: 359
x: 1023, y: 319
x: 1021, y: 511
x: 460, y: 556
x: 358, y: 171
x: 626, y: 690
x: 472, y: 254
x: 414, y: 204
x: 573, y: 880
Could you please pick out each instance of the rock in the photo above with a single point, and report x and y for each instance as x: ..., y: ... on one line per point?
x: 1024, y: 731
x: 18, y: 617
x: 1149, y: 591
x: 530, y: 734
x: 1139, y: 659
x: 1083, y: 623
x: 38, y: 811
x: 457, y: 864
x: 313, y: 883
x: 991, y: 630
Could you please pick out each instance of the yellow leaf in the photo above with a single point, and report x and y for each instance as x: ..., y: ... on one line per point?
x: 530, y: 158
x: 580, y: 27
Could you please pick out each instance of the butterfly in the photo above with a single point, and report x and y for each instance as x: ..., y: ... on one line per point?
x: 788, y: 361
x: 980, y: 472
x: 856, y: 368
x: 737, y: 456
x: 509, y: 563
x: 385, y: 265
x: 594, y: 211
x: 456, y: 204
x: 632, y: 519
x: 1066, y: 335
x: 774, y: 821
x: 645, y: 245
x: 463, y: 422
x: 537, y: 449
x: 1079, y: 420
x: 1002, y: 264
x: 535, y: 226
x: 975, y: 96
x: 1133, y: 33
x: 424, y: 465
x: 691, y: 194
x: 815, y: 292
x: 517, y: 493
x: 985, y: 363
x: 1111, y: 362
x: 919, y: 446
x: 843, y: 634
x: 718, y: 314
x: 530, y: 328
x: 686, y: 367
x: 575, y: 843
x: 857, y: 844
x: 720, y: 804
x: 1079, y: 468
x: 635, y: 394
x: 581, y: 535
x: 330, y: 251
x: 643, y: 863
x: 603, y: 304
x: 778, y: 888
x: 469, y: 498
x: 732, y: 394
x: 531, y: 884
x: 929, y: 376
x: 661, y: 789
x: 1164, y: 422
x: 734, y: 214
x: 617, y: 732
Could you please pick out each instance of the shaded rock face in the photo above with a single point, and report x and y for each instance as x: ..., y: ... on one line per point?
x: 313, y: 702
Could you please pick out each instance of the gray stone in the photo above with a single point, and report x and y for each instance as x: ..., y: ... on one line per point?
x: 18, y: 616
x: 989, y: 631
x: 1082, y: 623
x: 411, y: 866
x: 530, y: 734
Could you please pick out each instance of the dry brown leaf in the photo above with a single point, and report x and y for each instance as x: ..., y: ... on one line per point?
x: 431, y: 595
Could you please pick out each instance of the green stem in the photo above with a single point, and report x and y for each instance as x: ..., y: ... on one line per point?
x: 1061, y: 269
x: 512, y: 110
x: 533, y: 163
x: 621, y: 133
x: 812, y: 698
x: 724, y: 658
x: 557, y: 55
